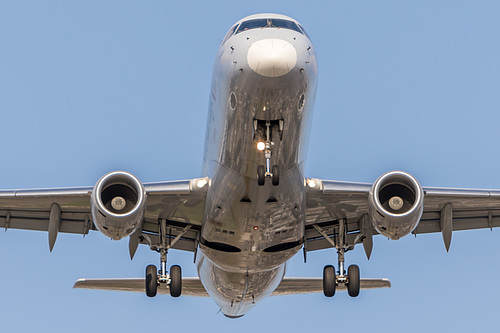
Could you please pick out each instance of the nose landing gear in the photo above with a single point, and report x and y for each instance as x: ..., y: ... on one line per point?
x: 262, y: 174
x: 267, y: 171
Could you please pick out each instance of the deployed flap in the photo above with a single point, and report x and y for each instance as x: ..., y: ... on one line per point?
x: 293, y: 286
x: 191, y: 286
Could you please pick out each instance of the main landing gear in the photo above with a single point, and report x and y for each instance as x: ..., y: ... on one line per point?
x: 266, y: 171
x: 332, y: 279
x: 155, y: 278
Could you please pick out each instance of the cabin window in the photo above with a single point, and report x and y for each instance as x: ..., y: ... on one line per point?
x: 268, y: 23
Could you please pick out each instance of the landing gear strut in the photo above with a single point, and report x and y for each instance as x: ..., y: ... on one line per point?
x: 331, y: 280
x: 266, y: 171
x: 351, y: 279
x: 155, y: 278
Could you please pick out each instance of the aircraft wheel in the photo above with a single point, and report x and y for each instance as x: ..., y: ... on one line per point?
x: 353, y: 284
x: 329, y: 281
x: 276, y: 175
x: 261, y: 175
x: 151, y: 280
x: 175, y: 281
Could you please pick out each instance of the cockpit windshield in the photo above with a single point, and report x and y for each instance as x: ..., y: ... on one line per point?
x: 229, y: 34
x: 268, y: 23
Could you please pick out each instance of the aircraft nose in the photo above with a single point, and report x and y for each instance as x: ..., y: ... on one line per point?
x: 272, y: 57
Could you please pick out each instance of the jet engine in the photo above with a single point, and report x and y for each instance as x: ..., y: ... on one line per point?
x: 395, y: 204
x: 117, y: 204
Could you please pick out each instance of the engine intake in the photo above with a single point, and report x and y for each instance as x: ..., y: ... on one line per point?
x: 117, y: 204
x: 396, y: 203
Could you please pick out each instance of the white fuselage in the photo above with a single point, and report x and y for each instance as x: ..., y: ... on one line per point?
x: 263, y: 89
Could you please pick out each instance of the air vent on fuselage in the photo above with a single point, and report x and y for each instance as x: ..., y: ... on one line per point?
x: 224, y: 231
x: 271, y: 199
x: 220, y: 246
x: 283, y: 246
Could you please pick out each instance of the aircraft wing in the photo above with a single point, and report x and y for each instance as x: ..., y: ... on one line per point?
x: 329, y: 202
x: 179, y: 203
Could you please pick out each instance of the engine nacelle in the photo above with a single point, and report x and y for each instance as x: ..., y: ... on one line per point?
x: 395, y: 204
x: 117, y: 204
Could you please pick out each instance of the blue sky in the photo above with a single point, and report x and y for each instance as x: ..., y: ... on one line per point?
x: 90, y: 87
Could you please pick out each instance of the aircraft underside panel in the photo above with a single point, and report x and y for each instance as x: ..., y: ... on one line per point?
x: 237, y: 293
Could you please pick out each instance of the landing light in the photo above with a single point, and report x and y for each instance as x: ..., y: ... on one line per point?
x: 311, y: 183
x: 201, y: 183
x: 261, y: 146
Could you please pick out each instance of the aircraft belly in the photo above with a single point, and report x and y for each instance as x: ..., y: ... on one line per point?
x: 248, y: 227
x: 240, y: 97
x: 250, y: 231
x: 237, y: 293
x: 251, y: 228
x: 258, y: 101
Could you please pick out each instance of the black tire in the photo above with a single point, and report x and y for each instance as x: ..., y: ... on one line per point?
x: 175, y: 281
x: 276, y: 175
x: 353, y: 284
x: 151, y: 280
x: 261, y: 175
x: 329, y: 281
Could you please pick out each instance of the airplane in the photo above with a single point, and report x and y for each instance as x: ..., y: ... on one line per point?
x: 253, y: 208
